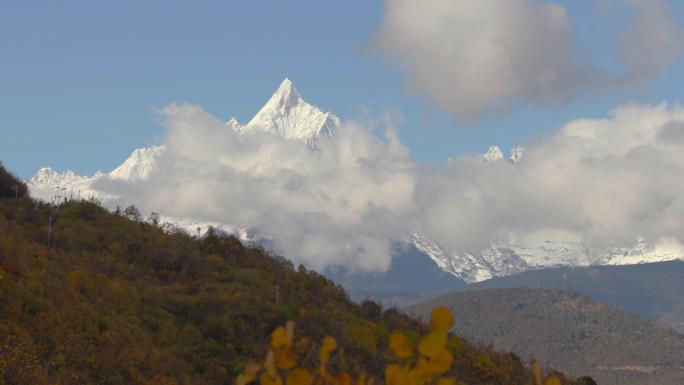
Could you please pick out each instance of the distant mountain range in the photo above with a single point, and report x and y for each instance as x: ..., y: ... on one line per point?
x: 288, y: 114
x: 569, y: 331
x: 653, y: 290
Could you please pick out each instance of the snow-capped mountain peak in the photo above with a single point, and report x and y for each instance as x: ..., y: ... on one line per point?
x: 285, y: 97
x: 493, y: 154
x: 44, y: 175
x: 50, y: 177
x: 516, y: 153
x: 139, y: 165
x: 286, y: 113
x: 48, y: 183
x: 233, y: 123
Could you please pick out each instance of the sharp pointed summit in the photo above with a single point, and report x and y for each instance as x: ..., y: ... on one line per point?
x: 286, y: 113
x: 285, y: 96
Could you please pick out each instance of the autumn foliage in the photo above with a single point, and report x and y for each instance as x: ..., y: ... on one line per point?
x: 423, y: 363
x: 120, y: 301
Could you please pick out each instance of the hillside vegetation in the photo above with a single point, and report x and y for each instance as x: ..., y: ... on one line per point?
x: 116, y: 300
x: 10, y: 185
x: 571, y: 332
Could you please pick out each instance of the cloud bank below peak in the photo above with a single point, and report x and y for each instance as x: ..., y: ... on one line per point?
x: 594, y: 183
x: 602, y: 182
x: 599, y: 182
x: 338, y: 204
x: 470, y: 58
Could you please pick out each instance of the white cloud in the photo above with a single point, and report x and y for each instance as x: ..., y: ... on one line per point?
x: 600, y: 182
x: 606, y: 181
x: 340, y: 205
x: 471, y: 57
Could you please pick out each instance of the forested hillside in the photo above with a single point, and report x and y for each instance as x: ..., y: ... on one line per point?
x: 10, y: 185
x: 93, y: 297
x: 571, y: 332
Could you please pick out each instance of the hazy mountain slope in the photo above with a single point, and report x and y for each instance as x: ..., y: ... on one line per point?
x: 411, y: 278
x: 572, y: 332
x: 655, y: 290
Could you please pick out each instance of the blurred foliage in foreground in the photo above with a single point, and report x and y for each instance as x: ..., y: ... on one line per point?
x: 119, y: 300
x: 421, y: 362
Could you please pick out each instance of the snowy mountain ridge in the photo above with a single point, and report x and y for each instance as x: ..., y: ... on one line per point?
x: 287, y: 114
x: 535, y: 253
x: 139, y: 165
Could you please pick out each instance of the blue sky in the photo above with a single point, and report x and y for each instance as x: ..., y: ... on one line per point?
x: 79, y: 81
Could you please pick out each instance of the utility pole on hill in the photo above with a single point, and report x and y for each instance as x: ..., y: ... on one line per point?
x: 50, y: 219
x: 16, y: 191
x: 277, y: 290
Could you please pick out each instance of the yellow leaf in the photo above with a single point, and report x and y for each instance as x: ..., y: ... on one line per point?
x: 421, y: 372
x: 285, y: 359
x: 441, y: 319
x: 400, y: 345
x: 344, y: 379
x: 270, y: 363
x: 267, y: 379
x: 446, y: 381
x: 432, y: 343
x: 329, y: 344
x: 391, y: 374
x: 324, y: 357
x: 244, y: 379
x: 553, y: 380
x: 280, y: 338
x: 299, y: 376
x: 441, y: 361
x: 536, y: 372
